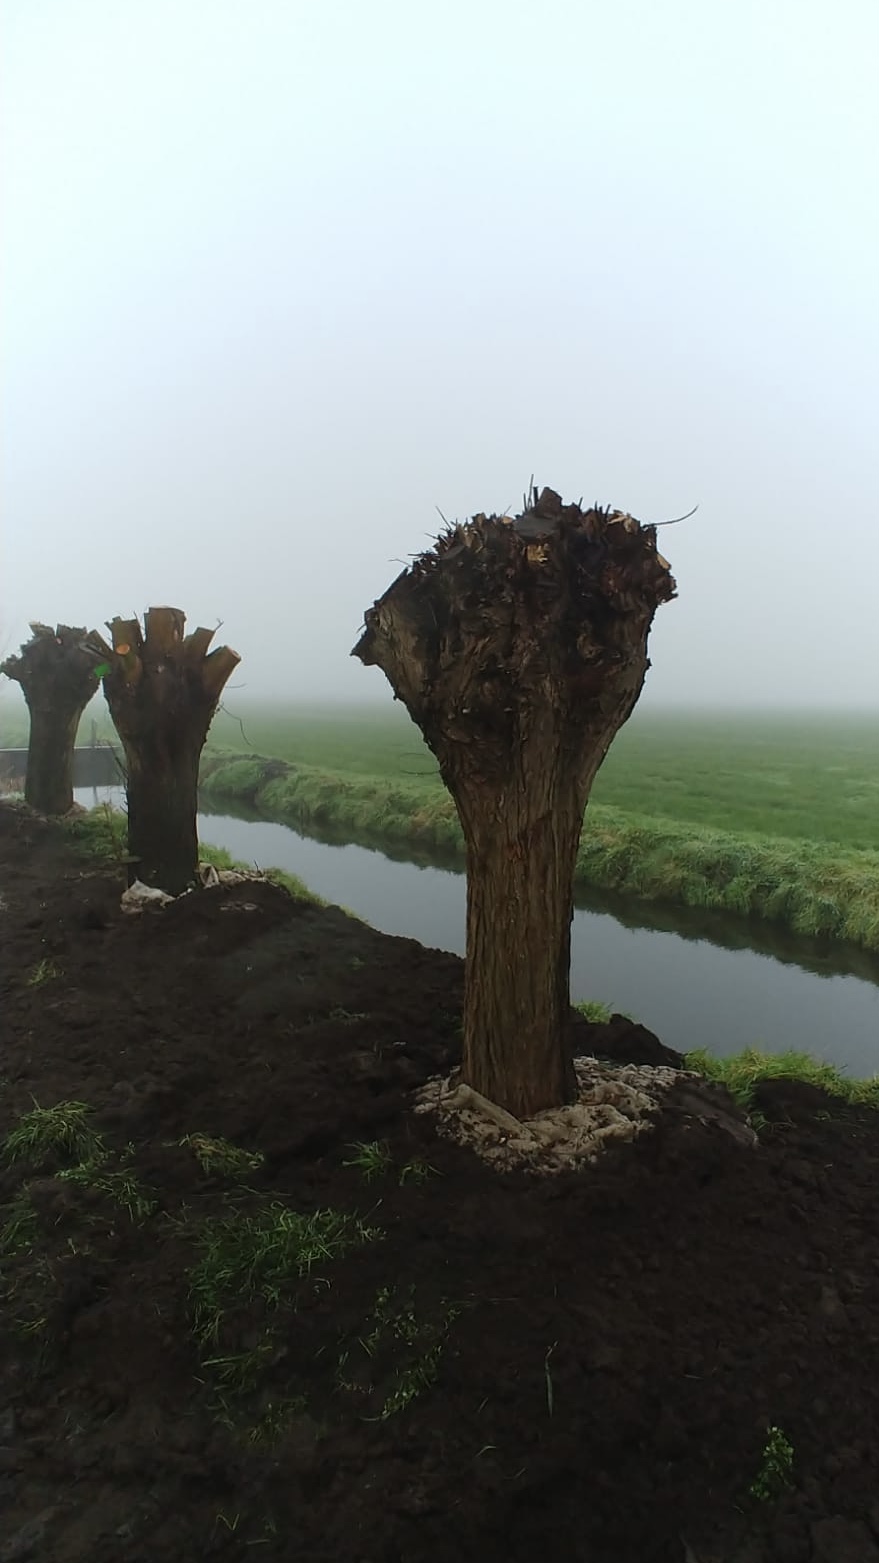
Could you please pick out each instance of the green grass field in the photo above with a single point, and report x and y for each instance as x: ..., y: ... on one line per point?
x: 813, y: 778
x: 774, y: 817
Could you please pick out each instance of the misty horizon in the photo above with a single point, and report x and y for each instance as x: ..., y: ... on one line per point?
x: 279, y: 290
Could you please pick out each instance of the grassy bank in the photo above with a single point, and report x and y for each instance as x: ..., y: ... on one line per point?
x: 741, y: 1072
x: 809, y: 777
x: 816, y: 889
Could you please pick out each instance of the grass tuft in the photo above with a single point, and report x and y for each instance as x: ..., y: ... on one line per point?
x: 122, y: 1186
x: 243, y: 1256
x: 220, y: 1158
x: 44, y: 971
x: 742, y: 1072
x: 594, y: 1011
x: 397, y: 1355
x: 371, y: 1158
x: 64, y: 1130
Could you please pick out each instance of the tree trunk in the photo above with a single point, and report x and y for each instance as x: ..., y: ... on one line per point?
x: 519, y: 908
x: 48, y: 784
x: 162, y: 791
x: 520, y: 648
x: 522, y: 834
x: 163, y: 689
x: 56, y: 670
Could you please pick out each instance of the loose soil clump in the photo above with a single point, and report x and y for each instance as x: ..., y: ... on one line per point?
x: 254, y: 1304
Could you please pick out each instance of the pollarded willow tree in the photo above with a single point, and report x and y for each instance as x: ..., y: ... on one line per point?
x: 163, y: 688
x: 56, y: 670
x: 519, y: 647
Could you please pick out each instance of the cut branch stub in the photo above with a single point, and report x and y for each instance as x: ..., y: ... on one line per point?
x: 163, y: 689
x: 519, y: 647
x: 56, y: 670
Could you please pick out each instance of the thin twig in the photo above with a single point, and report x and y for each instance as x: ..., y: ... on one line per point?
x: 677, y: 518
x: 226, y: 712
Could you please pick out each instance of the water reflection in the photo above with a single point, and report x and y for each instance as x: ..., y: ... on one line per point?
x: 726, y: 930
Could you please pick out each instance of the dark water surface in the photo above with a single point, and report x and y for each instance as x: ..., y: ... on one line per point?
x: 697, y: 980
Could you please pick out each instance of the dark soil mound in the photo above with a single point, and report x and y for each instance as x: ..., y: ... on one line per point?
x: 366, y: 1347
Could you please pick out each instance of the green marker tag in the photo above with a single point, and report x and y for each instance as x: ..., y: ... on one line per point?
x: 101, y: 669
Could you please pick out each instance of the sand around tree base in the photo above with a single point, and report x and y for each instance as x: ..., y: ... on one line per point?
x: 615, y: 1103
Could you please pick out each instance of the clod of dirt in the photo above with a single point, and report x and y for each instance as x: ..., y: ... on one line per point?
x: 614, y: 1104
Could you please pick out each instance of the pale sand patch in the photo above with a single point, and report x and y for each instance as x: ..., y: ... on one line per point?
x: 616, y: 1102
x: 138, y: 896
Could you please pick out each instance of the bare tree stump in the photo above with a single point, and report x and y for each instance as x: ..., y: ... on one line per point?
x: 56, y: 670
x: 162, y: 689
x: 519, y: 647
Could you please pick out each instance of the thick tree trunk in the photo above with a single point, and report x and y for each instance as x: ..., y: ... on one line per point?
x: 520, y: 648
x: 522, y: 835
x: 163, y: 689
x: 519, y: 907
x: 48, y: 784
x: 162, y: 791
x: 56, y: 673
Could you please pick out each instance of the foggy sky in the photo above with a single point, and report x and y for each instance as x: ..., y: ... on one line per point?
x: 279, y: 279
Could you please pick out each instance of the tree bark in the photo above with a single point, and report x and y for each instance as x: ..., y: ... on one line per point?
x: 162, y: 790
x: 520, y: 648
x: 162, y: 690
x: 56, y: 670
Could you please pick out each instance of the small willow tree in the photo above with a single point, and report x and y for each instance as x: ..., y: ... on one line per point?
x: 519, y: 647
x: 163, y: 688
x: 56, y: 670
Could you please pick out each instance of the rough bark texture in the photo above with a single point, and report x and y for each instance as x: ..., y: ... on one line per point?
x: 519, y: 647
x: 163, y: 689
x: 56, y: 672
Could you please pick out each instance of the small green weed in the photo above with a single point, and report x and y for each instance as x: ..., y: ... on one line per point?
x: 64, y: 1129
x: 220, y: 1157
x: 238, y: 1373
x: 121, y: 1186
x: 372, y: 1159
x: 277, y: 1415
x: 44, y: 971
x: 599, y: 1014
x: 417, y: 1171
x: 26, y: 1281
x: 19, y: 1230
x: 402, y: 1350
x: 413, y: 1381
x: 776, y: 1467
x: 258, y: 1258
x: 594, y: 1011
x: 244, y: 1256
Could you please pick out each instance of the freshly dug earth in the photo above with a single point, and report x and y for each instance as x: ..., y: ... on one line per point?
x: 196, y: 1363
